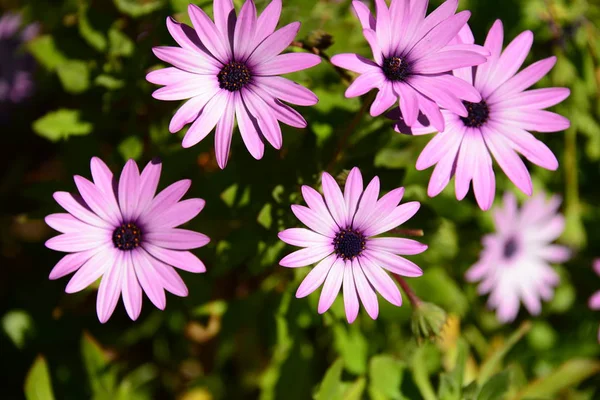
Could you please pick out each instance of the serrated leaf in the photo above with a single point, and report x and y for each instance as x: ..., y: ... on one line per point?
x: 74, y: 76
x: 331, y: 386
x: 132, y: 147
x: 46, y: 53
x: 38, y: 385
x: 61, y: 124
x: 385, y: 377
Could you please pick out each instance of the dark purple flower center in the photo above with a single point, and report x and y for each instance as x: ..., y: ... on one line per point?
x: 348, y: 243
x: 395, y: 69
x: 510, y: 248
x: 127, y: 237
x: 234, y: 76
x: 479, y: 113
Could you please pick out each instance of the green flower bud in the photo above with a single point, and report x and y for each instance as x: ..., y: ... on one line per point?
x: 428, y: 321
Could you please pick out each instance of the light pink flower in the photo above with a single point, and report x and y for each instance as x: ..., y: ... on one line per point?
x: 514, y: 264
x: 412, y: 57
x: 228, y: 70
x: 496, y: 126
x: 594, y: 302
x: 342, y: 240
x: 122, y: 232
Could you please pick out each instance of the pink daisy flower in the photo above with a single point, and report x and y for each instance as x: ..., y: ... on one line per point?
x: 122, y: 232
x: 497, y: 126
x: 228, y: 70
x: 514, y: 264
x: 412, y: 55
x: 594, y: 302
x: 342, y: 240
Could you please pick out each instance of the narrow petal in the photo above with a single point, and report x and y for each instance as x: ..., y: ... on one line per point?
x: 225, y: 19
x: 176, y: 215
x: 249, y: 130
x: 177, y: 239
x: 365, y: 291
x: 493, y: 43
x: 439, y: 36
x: 206, y: 121
x: 131, y: 289
x: 91, y: 270
x: 351, y: 304
x: 170, y: 279
x: 313, y: 220
x: 409, y: 103
x: 445, y: 61
x: 332, y: 286
x: 594, y: 302
x: 306, y: 256
x: 432, y: 112
x: 466, y: 162
x: 196, y: 86
x: 354, y: 62
x: 303, y: 237
x: 167, y: 198
x: 535, y: 99
x: 224, y: 130
x: 393, y: 263
x: 243, y: 36
x: 167, y: 76
x: 287, y: 90
x: 74, y: 207
x: 315, y: 202
x: 439, y: 15
x: 66, y: 223
x: 273, y: 45
x: 209, y: 35
x: 555, y: 253
x: 534, y: 120
x: 260, y: 110
x: 95, y: 199
x: 149, y: 279
x: 364, y: 83
x: 71, y: 263
x: 287, y: 63
x: 443, y: 171
x: 441, y: 95
x: 186, y: 60
x: 334, y: 199
x: 440, y: 146
x: 315, y: 277
x: 383, y: 26
x: 367, y: 202
x: 396, y: 245
x: 103, y: 178
x: 371, y: 38
x: 381, y: 281
x: 129, y: 190
x: 267, y: 22
x: 364, y: 15
x: 509, y: 161
x: 398, y: 216
x: 352, y: 192
x: 78, y: 241
x: 524, y: 79
x: 384, y: 100
x: 148, y: 183
x: 110, y: 289
x: 183, y: 260
x: 382, y: 208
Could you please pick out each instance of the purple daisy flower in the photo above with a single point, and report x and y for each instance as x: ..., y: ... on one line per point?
x: 122, y: 232
x: 16, y: 67
x: 228, y: 70
x: 412, y: 57
x: 342, y: 240
x: 514, y: 265
x: 497, y: 126
x: 594, y: 302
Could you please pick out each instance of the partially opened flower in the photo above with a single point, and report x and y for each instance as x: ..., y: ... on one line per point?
x: 342, y: 240
x: 228, y: 69
x: 497, y: 126
x: 16, y: 66
x: 594, y: 302
x: 514, y: 264
x: 412, y: 57
x: 122, y: 232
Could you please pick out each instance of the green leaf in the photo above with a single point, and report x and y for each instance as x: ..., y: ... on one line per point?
x: 420, y: 371
x: 137, y: 8
x: 542, y: 336
x: 331, y: 386
x: 94, y: 37
x: 38, y: 385
x: 352, y: 346
x: 120, y: 44
x: 132, y: 147
x: 18, y: 325
x: 109, y: 82
x: 61, y: 124
x: 45, y: 52
x: 355, y: 390
x: 568, y: 374
x: 496, y: 387
x: 264, y: 216
x: 101, y: 379
x: 385, y: 377
x: 74, y: 76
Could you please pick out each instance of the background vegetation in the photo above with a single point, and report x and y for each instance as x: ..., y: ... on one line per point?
x: 241, y: 334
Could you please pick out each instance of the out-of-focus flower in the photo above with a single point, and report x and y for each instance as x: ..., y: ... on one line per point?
x: 514, y: 264
x: 228, y: 70
x: 341, y: 239
x: 497, y: 126
x: 594, y: 302
x: 16, y: 66
x: 412, y: 55
x: 122, y: 232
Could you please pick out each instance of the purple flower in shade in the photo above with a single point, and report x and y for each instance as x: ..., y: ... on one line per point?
x: 496, y: 126
x: 341, y: 238
x: 514, y: 264
x: 594, y: 302
x: 16, y: 66
x: 228, y: 70
x: 412, y: 57
x: 122, y: 232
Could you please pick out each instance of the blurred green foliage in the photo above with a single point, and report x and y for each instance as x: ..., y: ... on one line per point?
x: 241, y: 333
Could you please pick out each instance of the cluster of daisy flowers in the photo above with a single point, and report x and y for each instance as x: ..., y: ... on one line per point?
x: 430, y: 76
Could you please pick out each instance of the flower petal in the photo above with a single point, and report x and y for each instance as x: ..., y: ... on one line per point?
x: 351, y: 304
x: 249, y: 130
x: 303, y: 237
x: 315, y: 202
x: 367, y: 202
x: 129, y: 190
x: 524, y: 79
x: 313, y: 220
x: 352, y: 192
x: 287, y: 63
x: 364, y: 15
x: 177, y: 239
x: 92, y: 270
x: 381, y: 281
x: 209, y: 35
x: 66, y: 223
x: 439, y: 36
x: 365, y: 291
x: 306, y: 256
x: 176, y: 215
x: 148, y: 183
x: 131, y: 289
x: 149, y: 279
x: 393, y: 263
x: 225, y: 19
x: 95, y: 199
x: 167, y: 198
x: 186, y: 60
x: 78, y: 241
x: 71, y: 263
x: 183, y: 260
x: 255, y: 101
x: 354, y: 62
x: 274, y: 44
x: 243, y: 36
x: 384, y: 100
x: 332, y: 286
x: 224, y: 130
x: 208, y: 118
x: 110, y: 289
x: 396, y: 245
x: 364, y: 83
x: 334, y: 199
x: 287, y: 90
x: 267, y: 22
x: 170, y: 279
x: 315, y: 277
x: 398, y: 216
